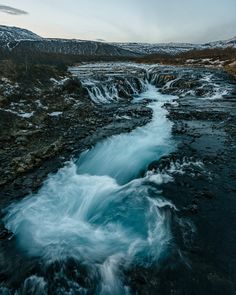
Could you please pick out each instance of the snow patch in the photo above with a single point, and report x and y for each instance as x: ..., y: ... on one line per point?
x: 55, y: 114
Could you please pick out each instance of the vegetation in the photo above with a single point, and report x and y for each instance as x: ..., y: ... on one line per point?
x: 226, y: 58
x: 227, y: 54
x: 30, y: 66
x: 231, y: 68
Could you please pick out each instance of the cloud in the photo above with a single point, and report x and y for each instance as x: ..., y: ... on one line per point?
x: 11, y: 10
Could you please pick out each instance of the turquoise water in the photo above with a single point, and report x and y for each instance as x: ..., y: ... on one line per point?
x: 99, y: 210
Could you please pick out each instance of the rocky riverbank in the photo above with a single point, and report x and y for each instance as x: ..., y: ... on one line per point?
x: 204, y: 190
x: 43, y: 126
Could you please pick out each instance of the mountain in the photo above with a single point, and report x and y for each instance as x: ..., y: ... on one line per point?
x: 223, y: 44
x: 162, y: 48
x: 73, y: 47
x: 232, y: 40
x: 173, y: 48
x: 9, y: 34
x: 19, y: 40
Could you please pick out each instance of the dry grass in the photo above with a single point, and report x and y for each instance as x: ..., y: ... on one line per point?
x: 231, y: 69
x: 25, y: 66
x: 214, y: 58
x: 227, y: 55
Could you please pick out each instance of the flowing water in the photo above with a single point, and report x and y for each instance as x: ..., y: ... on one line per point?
x: 103, y: 213
x: 103, y: 210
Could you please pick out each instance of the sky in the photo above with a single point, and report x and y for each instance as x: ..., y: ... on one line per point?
x: 195, y: 21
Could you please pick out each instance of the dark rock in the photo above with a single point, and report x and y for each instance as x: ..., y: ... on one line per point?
x: 207, y: 194
x: 4, y: 233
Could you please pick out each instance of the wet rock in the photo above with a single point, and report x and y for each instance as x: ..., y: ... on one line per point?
x: 193, y: 209
x: 3, y: 101
x: 208, y: 194
x: 5, y: 233
x: 21, y: 140
x: 218, y: 282
x: 179, y: 128
x: 163, y: 163
x: 73, y: 85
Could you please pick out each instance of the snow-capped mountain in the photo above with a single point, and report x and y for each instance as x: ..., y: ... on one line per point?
x: 222, y: 44
x: 17, y: 39
x: 173, y: 48
x: 162, y: 48
x: 9, y: 34
x: 73, y: 47
x: 232, y: 40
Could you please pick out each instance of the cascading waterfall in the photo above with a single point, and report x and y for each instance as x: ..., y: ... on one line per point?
x: 103, y: 212
x: 138, y: 148
x: 106, y: 91
x: 107, y: 83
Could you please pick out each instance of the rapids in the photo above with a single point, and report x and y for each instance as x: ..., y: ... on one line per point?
x: 103, y: 210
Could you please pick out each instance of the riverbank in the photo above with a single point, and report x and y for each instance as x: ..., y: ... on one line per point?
x: 205, y: 196
x: 218, y: 59
x: 46, y: 124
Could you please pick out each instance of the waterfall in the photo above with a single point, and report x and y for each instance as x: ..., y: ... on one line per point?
x: 107, y: 83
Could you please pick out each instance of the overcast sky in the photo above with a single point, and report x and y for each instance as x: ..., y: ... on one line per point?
x: 124, y: 20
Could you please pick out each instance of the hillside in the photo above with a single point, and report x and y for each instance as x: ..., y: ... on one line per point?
x: 11, y: 34
x: 21, y: 40
x: 174, y: 48
x: 18, y: 40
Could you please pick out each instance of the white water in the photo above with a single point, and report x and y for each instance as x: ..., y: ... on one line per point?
x: 116, y: 78
x: 98, y: 211
x: 123, y: 157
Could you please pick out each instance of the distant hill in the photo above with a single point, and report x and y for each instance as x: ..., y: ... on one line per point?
x: 18, y: 40
x: 173, y: 48
x: 10, y: 34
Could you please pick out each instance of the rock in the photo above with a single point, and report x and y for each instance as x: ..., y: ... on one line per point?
x: 207, y: 194
x: 21, y: 140
x: 20, y: 170
x: 72, y: 85
x: 193, y: 209
x: 3, y: 101
x: 4, y: 233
